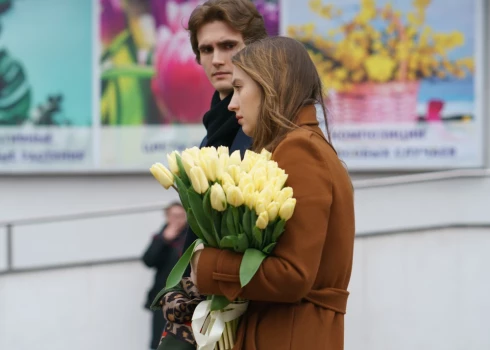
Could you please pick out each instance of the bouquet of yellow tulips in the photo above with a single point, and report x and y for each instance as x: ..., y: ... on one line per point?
x: 235, y: 204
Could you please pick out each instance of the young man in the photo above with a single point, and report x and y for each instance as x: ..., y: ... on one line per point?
x: 219, y: 29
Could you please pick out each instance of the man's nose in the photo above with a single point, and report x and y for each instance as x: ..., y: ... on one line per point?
x: 218, y: 59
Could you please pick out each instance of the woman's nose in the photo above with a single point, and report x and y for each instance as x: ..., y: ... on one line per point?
x: 233, y: 106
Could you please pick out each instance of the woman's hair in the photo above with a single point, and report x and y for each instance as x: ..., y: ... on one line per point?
x: 289, y: 81
x: 241, y: 15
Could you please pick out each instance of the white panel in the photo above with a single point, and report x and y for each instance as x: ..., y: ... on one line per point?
x: 120, y: 236
x: 425, y: 290
x: 411, y: 206
x: 3, y: 249
x: 83, y: 308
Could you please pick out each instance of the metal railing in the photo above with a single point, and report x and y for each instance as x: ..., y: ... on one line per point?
x: 9, y: 225
x: 138, y: 209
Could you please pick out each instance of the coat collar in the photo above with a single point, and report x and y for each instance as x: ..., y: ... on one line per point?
x: 307, y: 116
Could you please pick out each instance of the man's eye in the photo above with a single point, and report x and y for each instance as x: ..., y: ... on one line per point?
x: 206, y: 50
x: 229, y: 46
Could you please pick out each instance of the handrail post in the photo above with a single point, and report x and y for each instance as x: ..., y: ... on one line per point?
x: 10, y: 245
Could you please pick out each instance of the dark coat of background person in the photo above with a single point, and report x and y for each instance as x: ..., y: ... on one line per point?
x: 161, y: 255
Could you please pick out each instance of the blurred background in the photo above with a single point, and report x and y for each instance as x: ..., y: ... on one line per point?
x: 92, y: 92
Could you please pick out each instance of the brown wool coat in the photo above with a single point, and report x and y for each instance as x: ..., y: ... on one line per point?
x: 298, y: 296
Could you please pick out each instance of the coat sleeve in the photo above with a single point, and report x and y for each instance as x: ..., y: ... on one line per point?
x: 288, y: 274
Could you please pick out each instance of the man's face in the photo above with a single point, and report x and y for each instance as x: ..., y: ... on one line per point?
x: 176, y: 216
x: 218, y: 42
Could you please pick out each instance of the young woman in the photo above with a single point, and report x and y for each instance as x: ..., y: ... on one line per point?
x: 298, y: 297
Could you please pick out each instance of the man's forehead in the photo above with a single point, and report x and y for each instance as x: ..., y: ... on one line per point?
x: 211, y: 40
x: 217, y: 32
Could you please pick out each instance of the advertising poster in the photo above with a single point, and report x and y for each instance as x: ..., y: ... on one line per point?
x: 153, y: 94
x: 403, y: 78
x: 46, y: 114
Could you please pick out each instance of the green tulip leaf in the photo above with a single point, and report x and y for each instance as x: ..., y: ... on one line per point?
x: 252, y: 259
x: 177, y: 272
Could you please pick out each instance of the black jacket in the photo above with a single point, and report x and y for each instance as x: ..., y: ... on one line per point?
x: 162, y: 255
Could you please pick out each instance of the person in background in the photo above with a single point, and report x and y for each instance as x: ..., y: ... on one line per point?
x: 162, y: 254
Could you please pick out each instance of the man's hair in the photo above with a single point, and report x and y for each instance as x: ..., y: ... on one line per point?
x: 172, y: 205
x: 241, y: 15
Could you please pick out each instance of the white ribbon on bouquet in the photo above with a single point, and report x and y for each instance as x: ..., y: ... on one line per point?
x: 216, y: 323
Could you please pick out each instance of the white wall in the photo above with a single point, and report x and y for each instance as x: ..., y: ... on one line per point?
x: 425, y: 290
x: 96, y: 308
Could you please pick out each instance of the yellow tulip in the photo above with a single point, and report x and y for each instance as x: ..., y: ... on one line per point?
x: 227, y: 180
x: 248, y: 161
x: 262, y: 220
x: 223, y: 164
x: 246, y: 165
x: 218, y: 168
x: 190, y: 158
x: 260, y: 205
x: 260, y: 182
x: 235, y: 158
x: 218, y: 197
x: 267, y: 193
x: 244, y: 180
x: 198, y: 180
x: 209, y: 151
x: 287, y: 209
x: 279, y: 182
x: 234, y: 196
x: 223, y: 150
x: 203, y: 163
x: 258, y: 164
x: 210, y: 164
x: 187, y: 162
x: 260, y: 178
x: 249, y: 195
x: 273, y: 210
x: 273, y: 171
x: 172, y: 162
x: 283, y: 195
x: 235, y: 172
x: 162, y: 174
x: 266, y: 154
x: 194, y: 152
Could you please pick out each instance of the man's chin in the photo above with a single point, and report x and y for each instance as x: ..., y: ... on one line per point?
x: 223, y: 87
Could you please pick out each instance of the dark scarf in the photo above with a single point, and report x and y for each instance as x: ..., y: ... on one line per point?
x: 221, y: 124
